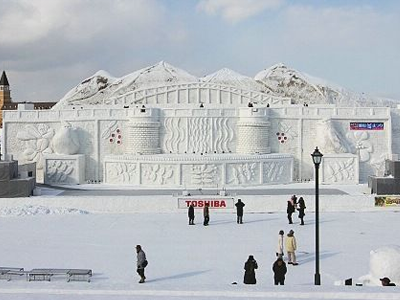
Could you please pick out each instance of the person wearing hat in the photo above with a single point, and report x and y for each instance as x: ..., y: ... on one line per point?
x: 386, y: 282
x: 291, y: 246
x: 141, y: 263
x: 279, y: 249
x: 249, y: 273
x: 279, y: 268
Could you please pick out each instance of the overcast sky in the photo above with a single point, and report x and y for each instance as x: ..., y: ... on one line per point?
x: 48, y: 46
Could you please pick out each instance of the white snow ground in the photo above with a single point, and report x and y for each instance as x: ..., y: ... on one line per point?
x: 188, y: 262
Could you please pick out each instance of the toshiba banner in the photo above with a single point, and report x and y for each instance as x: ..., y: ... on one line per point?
x: 217, y: 202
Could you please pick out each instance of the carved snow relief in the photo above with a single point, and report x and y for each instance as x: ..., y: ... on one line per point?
x: 205, y: 175
x: 158, y: 174
x: 59, y: 170
x: 199, y: 135
x: 245, y: 173
x: 175, y: 134
x: 37, y: 138
x: 224, y: 135
x: 64, y: 169
x: 340, y: 169
x: 277, y: 171
x: 330, y: 137
x: 361, y: 144
x: 121, y: 172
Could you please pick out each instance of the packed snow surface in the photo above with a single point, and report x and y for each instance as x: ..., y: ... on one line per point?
x: 32, y: 210
x: 198, y: 262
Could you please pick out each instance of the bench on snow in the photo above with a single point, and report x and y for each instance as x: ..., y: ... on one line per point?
x: 8, y: 272
x: 71, y: 274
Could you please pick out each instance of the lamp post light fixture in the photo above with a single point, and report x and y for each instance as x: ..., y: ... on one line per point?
x: 317, y: 158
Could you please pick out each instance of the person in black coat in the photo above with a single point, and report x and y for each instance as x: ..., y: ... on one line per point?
x: 191, y: 214
x: 279, y: 268
x: 302, y: 207
x: 290, y: 210
x: 239, y: 211
x: 249, y: 273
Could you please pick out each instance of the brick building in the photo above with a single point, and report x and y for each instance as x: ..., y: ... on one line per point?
x: 6, y: 100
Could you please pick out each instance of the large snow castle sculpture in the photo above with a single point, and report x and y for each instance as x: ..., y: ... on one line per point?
x: 162, y: 127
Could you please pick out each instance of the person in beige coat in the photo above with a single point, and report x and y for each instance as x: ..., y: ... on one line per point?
x: 291, y: 247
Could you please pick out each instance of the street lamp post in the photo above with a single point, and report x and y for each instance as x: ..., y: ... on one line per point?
x: 317, y: 158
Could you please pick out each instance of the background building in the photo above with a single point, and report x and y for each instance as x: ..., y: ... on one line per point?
x: 6, y: 100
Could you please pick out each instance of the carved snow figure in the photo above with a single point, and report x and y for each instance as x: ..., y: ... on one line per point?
x: 330, y: 137
x: 66, y: 140
x: 384, y: 262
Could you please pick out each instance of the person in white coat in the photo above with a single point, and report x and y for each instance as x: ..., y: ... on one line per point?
x: 279, y: 249
x: 291, y: 246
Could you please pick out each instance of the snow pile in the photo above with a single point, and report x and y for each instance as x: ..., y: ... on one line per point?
x: 384, y: 262
x: 32, y: 210
x: 226, y: 76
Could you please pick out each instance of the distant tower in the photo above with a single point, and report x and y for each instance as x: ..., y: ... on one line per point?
x: 5, y: 97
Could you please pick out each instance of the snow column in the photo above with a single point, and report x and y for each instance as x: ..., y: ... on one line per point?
x: 253, y: 131
x: 143, y: 134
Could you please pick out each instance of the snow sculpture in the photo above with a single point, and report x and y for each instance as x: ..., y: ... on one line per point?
x: 37, y: 138
x: 143, y: 135
x: 340, y: 169
x: 66, y: 140
x: 330, y: 137
x: 384, y: 262
x: 64, y: 169
x: 253, y: 131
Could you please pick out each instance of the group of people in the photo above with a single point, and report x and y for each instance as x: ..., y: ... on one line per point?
x: 206, y: 213
x: 279, y: 267
x: 292, y: 205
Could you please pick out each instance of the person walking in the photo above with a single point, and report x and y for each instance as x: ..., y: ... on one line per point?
x: 279, y: 269
x: 290, y: 210
x: 206, y: 214
x: 239, y: 211
x: 191, y: 214
x: 249, y: 274
x: 141, y: 263
x: 291, y: 246
x: 279, y: 249
x: 302, y: 207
